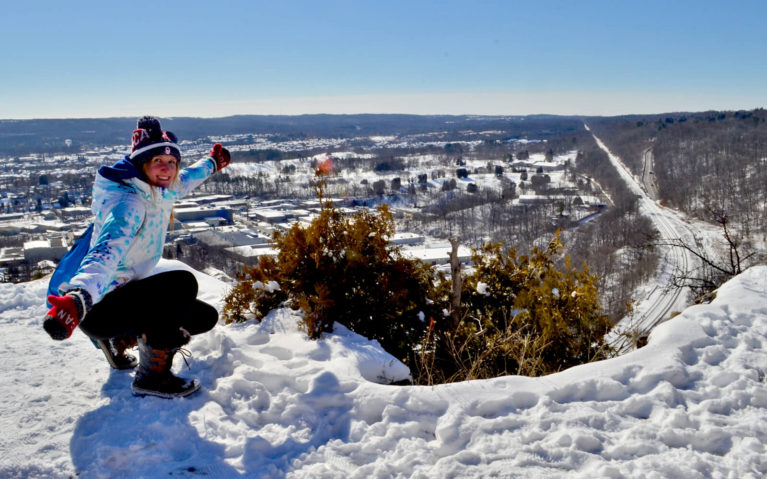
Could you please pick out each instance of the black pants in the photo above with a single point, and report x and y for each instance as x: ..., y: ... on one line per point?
x: 158, y: 306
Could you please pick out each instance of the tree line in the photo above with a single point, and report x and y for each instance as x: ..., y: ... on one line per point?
x: 711, y: 166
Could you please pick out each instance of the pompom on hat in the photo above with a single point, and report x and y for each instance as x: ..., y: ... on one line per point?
x: 149, y: 140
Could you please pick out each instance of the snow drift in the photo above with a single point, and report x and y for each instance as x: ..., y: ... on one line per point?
x: 692, y: 403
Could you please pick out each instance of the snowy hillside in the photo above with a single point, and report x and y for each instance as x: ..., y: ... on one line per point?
x: 693, y: 403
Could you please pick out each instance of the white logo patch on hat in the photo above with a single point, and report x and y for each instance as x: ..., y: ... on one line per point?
x: 167, y: 150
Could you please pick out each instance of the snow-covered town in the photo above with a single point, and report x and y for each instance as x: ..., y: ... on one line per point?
x: 50, y: 213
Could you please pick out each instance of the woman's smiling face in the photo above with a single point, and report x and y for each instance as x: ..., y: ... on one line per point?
x: 161, y: 170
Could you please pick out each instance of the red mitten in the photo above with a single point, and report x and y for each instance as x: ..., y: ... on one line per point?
x: 62, y: 318
x: 221, y: 155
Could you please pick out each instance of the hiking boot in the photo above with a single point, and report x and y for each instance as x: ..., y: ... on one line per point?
x: 153, y: 376
x: 115, y: 352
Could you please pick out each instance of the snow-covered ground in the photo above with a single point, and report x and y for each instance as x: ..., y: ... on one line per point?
x: 692, y: 403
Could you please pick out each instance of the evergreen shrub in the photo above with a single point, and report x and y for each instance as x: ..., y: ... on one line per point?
x: 530, y: 315
x: 519, y: 315
x: 342, y: 269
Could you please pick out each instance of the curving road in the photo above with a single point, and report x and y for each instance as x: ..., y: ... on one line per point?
x: 663, y: 298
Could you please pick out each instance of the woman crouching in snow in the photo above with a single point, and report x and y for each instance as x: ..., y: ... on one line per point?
x: 110, y: 295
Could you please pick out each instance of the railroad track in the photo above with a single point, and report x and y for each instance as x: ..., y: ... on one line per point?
x: 661, y: 302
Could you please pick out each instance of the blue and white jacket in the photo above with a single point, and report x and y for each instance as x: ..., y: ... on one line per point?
x: 131, y: 221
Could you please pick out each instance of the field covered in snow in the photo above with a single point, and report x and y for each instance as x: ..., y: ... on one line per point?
x: 692, y: 403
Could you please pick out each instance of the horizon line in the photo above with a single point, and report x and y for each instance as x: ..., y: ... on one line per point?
x: 518, y: 104
x: 488, y: 115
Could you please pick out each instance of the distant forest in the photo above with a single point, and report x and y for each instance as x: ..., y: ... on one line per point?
x: 706, y: 164
x: 20, y: 137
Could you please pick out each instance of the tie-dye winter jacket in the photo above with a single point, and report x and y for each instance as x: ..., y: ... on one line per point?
x: 131, y: 221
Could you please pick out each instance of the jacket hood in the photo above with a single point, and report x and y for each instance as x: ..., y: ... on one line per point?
x: 122, y: 170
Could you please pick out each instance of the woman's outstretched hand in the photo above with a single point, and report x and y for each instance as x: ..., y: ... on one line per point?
x: 221, y: 155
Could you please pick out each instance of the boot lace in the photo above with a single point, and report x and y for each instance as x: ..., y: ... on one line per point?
x: 185, y: 353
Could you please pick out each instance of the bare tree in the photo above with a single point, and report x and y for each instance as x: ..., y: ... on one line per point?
x: 716, y: 267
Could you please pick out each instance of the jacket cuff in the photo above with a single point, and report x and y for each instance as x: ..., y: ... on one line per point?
x: 83, y: 301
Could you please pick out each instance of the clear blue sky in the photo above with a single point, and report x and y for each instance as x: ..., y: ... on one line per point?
x: 105, y: 58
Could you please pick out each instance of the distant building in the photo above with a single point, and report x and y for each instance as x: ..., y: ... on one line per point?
x: 275, y: 204
x: 268, y: 215
x: 11, y: 216
x: 545, y: 166
x: 203, y: 200
x: 11, y: 227
x: 76, y: 212
x: 593, y: 201
x: 185, y: 215
x: 51, y: 249
x: 186, y: 228
x: 316, y: 205
x: 406, y: 239
x: 297, y: 213
x: 532, y: 199
x: 252, y: 253
x: 436, y: 255
x: 229, y: 236
x: 235, y: 205
x: 11, y: 255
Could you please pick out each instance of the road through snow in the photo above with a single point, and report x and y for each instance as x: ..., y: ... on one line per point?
x: 661, y: 297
